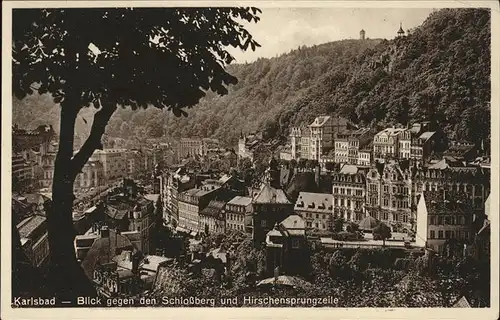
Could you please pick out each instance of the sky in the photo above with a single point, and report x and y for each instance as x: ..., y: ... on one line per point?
x: 283, y: 29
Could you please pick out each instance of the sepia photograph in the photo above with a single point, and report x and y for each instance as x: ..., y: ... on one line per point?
x: 226, y: 156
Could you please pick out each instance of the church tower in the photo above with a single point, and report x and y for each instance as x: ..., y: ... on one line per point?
x: 362, y: 34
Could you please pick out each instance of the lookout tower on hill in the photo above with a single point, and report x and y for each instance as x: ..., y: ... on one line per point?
x: 401, y: 32
x: 362, y: 34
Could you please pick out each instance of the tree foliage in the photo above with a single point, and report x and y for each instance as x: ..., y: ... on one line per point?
x: 109, y: 58
x: 440, y: 72
x: 381, y: 232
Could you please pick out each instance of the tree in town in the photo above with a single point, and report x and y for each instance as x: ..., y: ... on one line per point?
x: 116, y: 58
x: 352, y: 227
x: 338, y: 223
x: 382, y: 232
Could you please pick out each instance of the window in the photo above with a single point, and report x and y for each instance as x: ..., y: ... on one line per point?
x: 295, y: 243
x: 263, y: 223
x: 386, y: 202
x: 432, y: 234
x: 440, y: 234
x: 447, y: 234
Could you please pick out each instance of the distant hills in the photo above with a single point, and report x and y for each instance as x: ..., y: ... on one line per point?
x: 441, y: 72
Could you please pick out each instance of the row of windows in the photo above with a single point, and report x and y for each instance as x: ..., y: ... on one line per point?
x: 317, y: 225
x: 449, y: 234
x: 347, y: 203
x: 348, y: 191
x: 447, y: 220
x: 401, y: 217
x: 235, y: 217
x: 397, y: 189
x: 400, y: 204
x: 234, y: 226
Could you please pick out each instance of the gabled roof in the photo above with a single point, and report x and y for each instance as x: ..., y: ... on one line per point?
x: 30, y: 224
x: 368, y: 223
x: 349, y: 169
x: 462, y: 303
x: 101, y: 252
x: 309, y: 201
x: 240, y: 201
x: 214, y: 209
x: 268, y: 194
x: 427, y: 135
x: 294, y: 224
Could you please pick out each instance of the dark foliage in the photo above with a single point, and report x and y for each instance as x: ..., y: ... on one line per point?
x: 440, y: 72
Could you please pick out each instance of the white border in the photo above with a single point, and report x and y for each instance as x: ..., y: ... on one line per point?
x: 242, y: 313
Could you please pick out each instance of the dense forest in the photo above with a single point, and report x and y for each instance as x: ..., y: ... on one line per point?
x: 441, y: 71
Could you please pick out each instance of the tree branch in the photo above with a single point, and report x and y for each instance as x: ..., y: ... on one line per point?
x: 93, y: 142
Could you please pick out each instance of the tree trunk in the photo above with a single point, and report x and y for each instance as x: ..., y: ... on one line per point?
x: 67, y: 276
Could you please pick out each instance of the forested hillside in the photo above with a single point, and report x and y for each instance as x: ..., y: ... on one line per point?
x: 441, y: 71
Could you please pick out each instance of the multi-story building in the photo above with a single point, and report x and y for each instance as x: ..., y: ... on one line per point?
x: 342, y: 147
x: 114, y: 163
x: 189, y: 147
x: 29, y: 147
x: 286, y: 244
x: 213, y: 218
x: 386, y: 143
x: 396, y: 196
x: 472, y: 181
x: 92, y: 175
x: 324, y: 130
x: 238, y: 214
x: 132, y: 215
x: 34, y: 239
x: 248, y: 144
x: 270, y: 205
x: 299, y: 141
x: 461, y: 151
x: 365, y: 155
x: 316, y: 209
x: 358, y: 139
x: 348, y: 195
x: 390, y: 195
x: 190, y: 204
x: 135, y: 163
x: 442, y: 216
x: 404, y: 147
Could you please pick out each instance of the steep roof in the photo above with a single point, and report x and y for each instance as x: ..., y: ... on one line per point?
x: 427, y: 135
x: 368, y: 223
x: 315, y: 202
x: 101, y: 252
x: 268, y: 194
x: 30, y: 224
x: 462, y: 303
x: 240, y: 201
x: 294, y: 225
x: 214, y: 209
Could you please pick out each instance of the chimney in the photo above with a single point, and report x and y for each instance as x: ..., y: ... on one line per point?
x: 104, y: 232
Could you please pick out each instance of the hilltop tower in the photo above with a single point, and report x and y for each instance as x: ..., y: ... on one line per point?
x: 362, y: 34
x: 401, y: 32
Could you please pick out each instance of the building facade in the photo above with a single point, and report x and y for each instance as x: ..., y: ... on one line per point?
x: 442, y: 216
x: 386, y: 143
x: 238, y: 213
x: 323, y: 132
x: 213, y: 218
x: 114, y: 163
x: 348, y: 195
x: 190, y: 204
x: 316, y: 209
